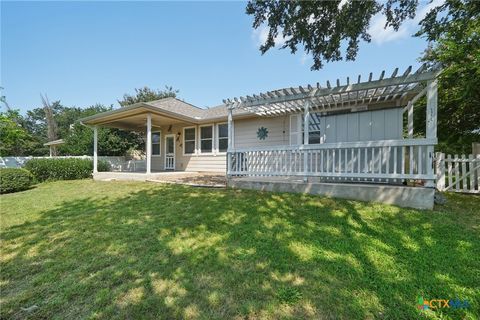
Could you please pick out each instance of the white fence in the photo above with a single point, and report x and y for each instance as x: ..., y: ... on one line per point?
x: 374, y: 161
x: 458, y: 174
x: 116, y: 163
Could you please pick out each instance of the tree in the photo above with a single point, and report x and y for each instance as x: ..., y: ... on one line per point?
x: 15, y: 140
x: 457, y: 48
x: 321, y: 28
x: 146, y: 94
x: 111, y: 142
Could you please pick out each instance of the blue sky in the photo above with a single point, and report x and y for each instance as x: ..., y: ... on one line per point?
x: 84, y: 53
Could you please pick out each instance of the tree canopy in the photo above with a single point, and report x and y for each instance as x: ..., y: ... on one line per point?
x: 146, y: 94
x: 325, y: 28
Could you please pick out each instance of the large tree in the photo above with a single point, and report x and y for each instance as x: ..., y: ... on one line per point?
x: 146, y: 94
x: 325, y: 28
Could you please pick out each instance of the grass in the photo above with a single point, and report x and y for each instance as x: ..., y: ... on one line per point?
x: 106, y: 250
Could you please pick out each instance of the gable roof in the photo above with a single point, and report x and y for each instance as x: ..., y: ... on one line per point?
x: 172, y: 107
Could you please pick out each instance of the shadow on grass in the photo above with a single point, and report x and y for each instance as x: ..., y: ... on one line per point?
x: 179, y: 252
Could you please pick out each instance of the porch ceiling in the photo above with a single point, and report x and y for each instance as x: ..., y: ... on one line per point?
x: 391, y: 91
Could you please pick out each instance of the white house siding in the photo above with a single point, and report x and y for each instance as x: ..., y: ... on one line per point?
x: 245, y: 131
x: 214, y: 162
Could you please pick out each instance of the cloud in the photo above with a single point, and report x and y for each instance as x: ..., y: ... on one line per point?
x: 260, y: 35
x: 381, y: 35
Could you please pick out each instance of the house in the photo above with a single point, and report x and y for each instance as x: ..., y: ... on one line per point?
x: 297, y: 139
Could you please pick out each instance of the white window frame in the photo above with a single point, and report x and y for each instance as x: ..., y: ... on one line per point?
x: 217, y: 140
x: 200, y: 138
x: 195, y: 141
x: 310, y: 131
x: 159, y: 144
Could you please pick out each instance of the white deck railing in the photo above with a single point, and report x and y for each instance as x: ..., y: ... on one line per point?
x: 375, y: 161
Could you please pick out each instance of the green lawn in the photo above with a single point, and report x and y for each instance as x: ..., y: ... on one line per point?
x: 84, y: 249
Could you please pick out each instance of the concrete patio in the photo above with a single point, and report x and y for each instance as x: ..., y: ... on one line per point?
x: 200, y: 179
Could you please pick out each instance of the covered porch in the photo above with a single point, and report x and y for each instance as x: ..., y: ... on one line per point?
x: 352, y: 158
x: 171, y: 130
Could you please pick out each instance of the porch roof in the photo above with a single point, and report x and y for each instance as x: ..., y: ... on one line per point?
x: 354, y: 96
x: 164, y: 111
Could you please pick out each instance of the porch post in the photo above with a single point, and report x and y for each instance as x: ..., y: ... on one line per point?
x: 230, y: 141
x: 149, y: 143
x: 431, y: 127
x: 95, y: 149
x: 306, y: 122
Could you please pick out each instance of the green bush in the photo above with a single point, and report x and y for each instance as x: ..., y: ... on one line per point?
x: 63, y: 169
x: 14, y: 179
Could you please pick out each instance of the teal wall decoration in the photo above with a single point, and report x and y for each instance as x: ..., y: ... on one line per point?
x: 262, y: 133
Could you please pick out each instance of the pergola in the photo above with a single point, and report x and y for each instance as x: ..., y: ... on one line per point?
x: 398, y: 89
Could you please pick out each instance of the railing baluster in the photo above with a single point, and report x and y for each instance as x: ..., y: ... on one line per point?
x: 411, y: 159
x: 420, y: 160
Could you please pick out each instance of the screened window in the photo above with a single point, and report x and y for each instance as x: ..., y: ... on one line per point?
x: 189, y: 140
x: 206, y: 139
x: 222, y: 137
x: 155, y: 143
x: 313, y: 129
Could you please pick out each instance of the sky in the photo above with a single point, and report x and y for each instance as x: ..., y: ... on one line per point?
x: 84, y: 53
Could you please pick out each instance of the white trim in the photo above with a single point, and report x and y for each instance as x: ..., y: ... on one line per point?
x: 159, y: 144
x: 217, y: 138
x: 200, y: 139
x: 195, y: 142
x: 95, y: 149
x: 358, y: 144
x: 174, y: 151
x: 149, y: 144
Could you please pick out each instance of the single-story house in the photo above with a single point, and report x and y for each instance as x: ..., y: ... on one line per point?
x: 347, y: 133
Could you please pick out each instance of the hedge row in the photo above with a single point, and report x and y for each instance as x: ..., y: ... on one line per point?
x: 63, y: 169
x: 15, y: 179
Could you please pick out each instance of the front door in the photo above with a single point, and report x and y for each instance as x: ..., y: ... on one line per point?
x: 170, y: 152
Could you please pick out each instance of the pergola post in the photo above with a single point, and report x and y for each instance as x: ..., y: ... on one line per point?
x: 149, y: 143
x: 95, y: 149
x: 230, y: 141
x: 431, y: 126
x: 306, y: 122
x: 410, y: 119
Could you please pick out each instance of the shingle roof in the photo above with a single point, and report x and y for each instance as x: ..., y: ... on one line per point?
x: 186, y: 109
x: 173, y: 106
x: 177, y: 106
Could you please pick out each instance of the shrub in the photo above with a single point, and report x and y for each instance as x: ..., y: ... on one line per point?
x: 14, y: 179
x: 63, y: 169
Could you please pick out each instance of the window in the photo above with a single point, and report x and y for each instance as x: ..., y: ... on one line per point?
x: 206, y: 139
x: 222, y: 137
x: 189, y: 140
x: 314, y: 129
x: 155, y: 143
x: 314, y: 133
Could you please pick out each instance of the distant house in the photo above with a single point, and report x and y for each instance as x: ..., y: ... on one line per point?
x: 338, y: 133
